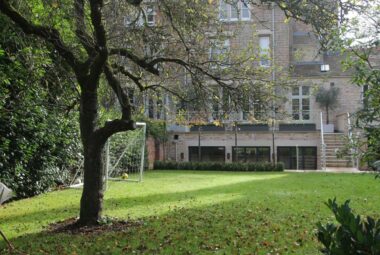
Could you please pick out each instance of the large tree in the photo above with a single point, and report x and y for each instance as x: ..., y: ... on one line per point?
x: 90, y: 37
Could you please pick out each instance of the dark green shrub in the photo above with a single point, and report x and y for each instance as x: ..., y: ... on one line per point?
x: 353, y: 235
x: 39, y: 139
x: 219, y: 166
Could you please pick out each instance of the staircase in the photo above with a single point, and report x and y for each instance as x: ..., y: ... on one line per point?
x: 334, y: 142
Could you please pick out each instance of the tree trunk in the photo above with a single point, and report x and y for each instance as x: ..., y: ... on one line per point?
x: 92, y: 196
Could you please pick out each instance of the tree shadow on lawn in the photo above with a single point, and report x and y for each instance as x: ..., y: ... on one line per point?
x: 260, y: 214
x: 237, y: 226
x: 110, y: 204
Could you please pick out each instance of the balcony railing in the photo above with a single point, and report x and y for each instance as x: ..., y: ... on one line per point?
x: 202, y: 117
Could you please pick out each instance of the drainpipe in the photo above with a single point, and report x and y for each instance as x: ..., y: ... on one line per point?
x: 297, y: 156
x: 199, y: 144
x: 273, y: 80
x: 236, y: 130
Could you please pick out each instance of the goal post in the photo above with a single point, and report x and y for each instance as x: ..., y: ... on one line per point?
x: 125, y: 155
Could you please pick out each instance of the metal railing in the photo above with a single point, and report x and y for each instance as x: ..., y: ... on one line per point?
x: 323, y: 149
x: 354, y: 150
x: 204, y: 117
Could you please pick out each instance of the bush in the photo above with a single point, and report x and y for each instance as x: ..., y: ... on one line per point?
x: 39, y: 139
x: 353, y: 235
x: 219, y: 166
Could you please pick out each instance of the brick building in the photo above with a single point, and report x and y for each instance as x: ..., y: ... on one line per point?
x: 290, y: 131
x: 296, y: 139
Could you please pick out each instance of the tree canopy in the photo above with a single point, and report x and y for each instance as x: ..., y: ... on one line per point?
x: 114, y: 44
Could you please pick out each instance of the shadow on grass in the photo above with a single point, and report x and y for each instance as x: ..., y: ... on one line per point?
x: 238, y: 188
x: 128, y: 202
x: 239, y: 226
x: 256, y: 216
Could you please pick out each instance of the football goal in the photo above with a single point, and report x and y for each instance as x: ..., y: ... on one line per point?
x: 125, y: 155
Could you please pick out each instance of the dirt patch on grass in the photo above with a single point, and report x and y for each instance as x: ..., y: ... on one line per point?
x: 70, y: 226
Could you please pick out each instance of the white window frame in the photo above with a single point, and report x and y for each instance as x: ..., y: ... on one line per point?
x: 363, y: 91
x: 142, y: 17
x: 242, y: 3
x: 216, y: 50
x: 300, y: 97
x: 150, y: 10
x: 265, y: 62
x: 239, y: 11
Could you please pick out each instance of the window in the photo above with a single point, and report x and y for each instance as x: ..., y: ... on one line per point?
x: 245, y: 12
x: 207, y: 153
x: 150, y: 15
x: 301, y: 103
x: 219, y: 52
x: 264, y: 43
x: 215, y: 102
x: 137, y: 19
x: 160, y: 109
x: 245, y: 106
x: 364, y: 96
x: 307, y: 157
x: 238, y: 9
x: 151, y: 108
x: 251, y: 154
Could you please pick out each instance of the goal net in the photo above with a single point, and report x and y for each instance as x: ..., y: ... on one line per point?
x: 125, y: 155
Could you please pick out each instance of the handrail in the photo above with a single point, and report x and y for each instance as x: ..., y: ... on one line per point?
x: 323, y: 156
x: 354, y: 157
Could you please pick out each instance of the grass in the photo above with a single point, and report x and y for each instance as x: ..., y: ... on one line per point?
x: 187, y: 212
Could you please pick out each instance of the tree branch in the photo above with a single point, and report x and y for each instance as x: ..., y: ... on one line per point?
x: 101, y: 42
x: 80, y: 31
x: 134, y: 78
x: 135, y: 59
x: 112, y: 127
x: 120, y: 93
x: 49, y: 34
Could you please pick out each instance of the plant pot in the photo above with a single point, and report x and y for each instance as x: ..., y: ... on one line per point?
x: 328, y: 128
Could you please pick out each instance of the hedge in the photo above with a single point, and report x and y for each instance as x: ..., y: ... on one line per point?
x: 218, y: 166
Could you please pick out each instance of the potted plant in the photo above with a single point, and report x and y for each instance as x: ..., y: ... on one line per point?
x: 327, y: 99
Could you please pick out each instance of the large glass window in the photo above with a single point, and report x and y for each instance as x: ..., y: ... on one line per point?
x: 364, y: 96
x: 264, y: 42
x: 207, y: 153
x: 251, y: 154
x: 234, y: 10
x: 150, y: 15
x: 138, y: 19
x: 219, y: 52
x: 301, y: 103
x: 307, y: 157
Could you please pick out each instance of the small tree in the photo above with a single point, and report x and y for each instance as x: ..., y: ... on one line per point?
x: 327, y: 99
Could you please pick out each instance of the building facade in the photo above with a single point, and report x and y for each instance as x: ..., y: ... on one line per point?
x: 298, y: 136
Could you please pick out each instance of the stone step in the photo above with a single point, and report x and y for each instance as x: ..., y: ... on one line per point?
x: 334, y: 145
x: 334, y: 137
x: 337, y: 159
x: 339, y: 164
x: 334, y: 157
x: 333, y: 150
x: 334, y: 142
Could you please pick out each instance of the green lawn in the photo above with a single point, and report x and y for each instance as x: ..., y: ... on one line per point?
x: 187, y: 212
